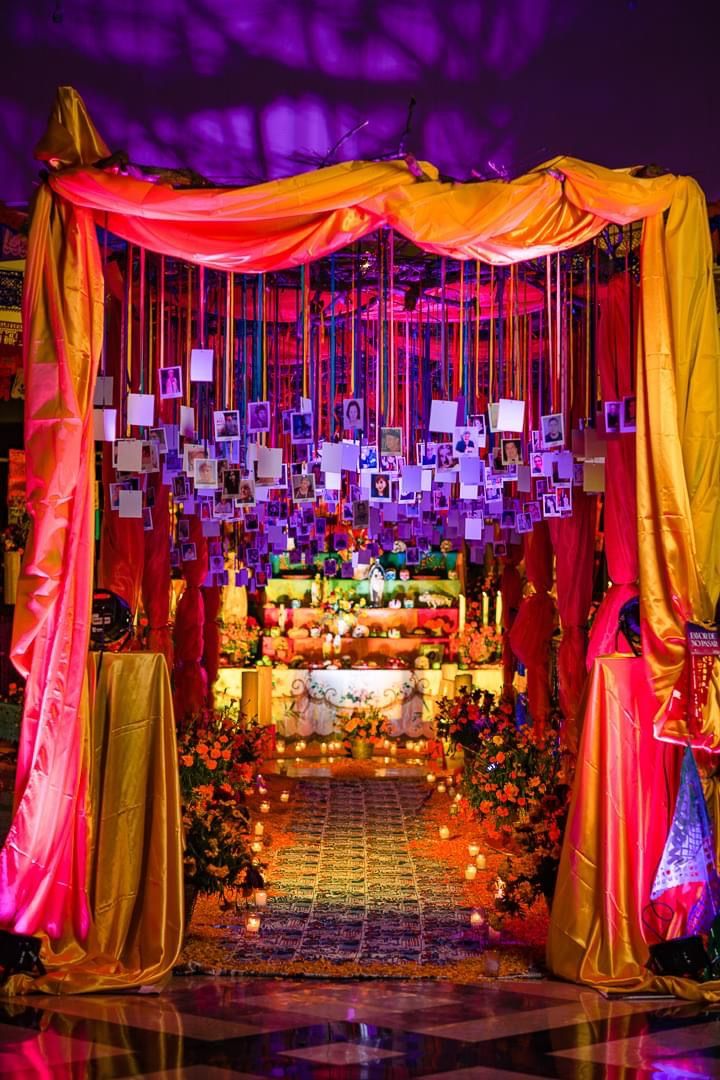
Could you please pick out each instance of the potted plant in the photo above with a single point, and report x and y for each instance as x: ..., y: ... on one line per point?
x: 365, y: 726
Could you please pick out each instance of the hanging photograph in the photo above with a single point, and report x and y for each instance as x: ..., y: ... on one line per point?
x: 301, y: 427
x: 553, y: 431
x: 466, y: 440
x: 612, y: 410
x: 231, y: 483
x: 512, y: 451
x: 170, y: 379
x: 246, y: 493
x: 303, y: 487
x: 391, y: 440
x: 205, y: 472
x: 368, y: 457
x: 227, y: 425
x: 353, y: 412
x: 628, y: 421
x: 380, y: 487
x: 258, y: 416
x: 188, y: 552
x: 361, y: 514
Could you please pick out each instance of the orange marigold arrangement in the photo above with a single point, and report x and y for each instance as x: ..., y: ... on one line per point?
x: 477, y: 643
x: 220, y: 753
x: 513, y: 782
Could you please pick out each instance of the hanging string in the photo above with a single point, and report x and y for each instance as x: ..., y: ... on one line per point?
x: 333, y: 345
x: 128, y: 338
x: 188, y: 334
x: 105, y: 296
x: 229, y: 388
x: 476, y: 403
x: 390, y: 310
x: 141, y: 320
x: 461, y: 333
x: 491, y: 344
x: 631, y: 313
x: 550, y: 344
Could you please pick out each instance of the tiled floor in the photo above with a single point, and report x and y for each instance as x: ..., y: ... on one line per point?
x: 209, y: 1029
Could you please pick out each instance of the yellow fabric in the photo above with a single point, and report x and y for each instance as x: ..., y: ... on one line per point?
x: 622, y: 805
x: 135, y: 856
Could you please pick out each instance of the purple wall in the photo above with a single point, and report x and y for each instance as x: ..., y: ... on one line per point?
x: 246, y: 89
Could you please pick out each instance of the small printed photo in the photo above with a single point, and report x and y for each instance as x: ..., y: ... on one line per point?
x: 563, y: 497
x: 246, y: 491
x: 512, y: 451
x: 205, y: 509
x: 578, y: 473
x: 542, y: 486
x: 361, y: 514
x: 535, y: 442
x: 391, y: 440
x: 222, y: 509
x: 466, y: 441
x: 612, y: 411
x: 478, y: 423
x: 499, y: 548
x: 150, y: 457
x: 441, y: 500
x: 301, y: 427
x: 445, y: 458
x: 368, y: 457
x: 286, y: 417
x: 183, y: 529
x: 533, y: 511
x: 553, y: 431
x: 536, y: 464
x: 426, y: 453
x: 380, y: 487
x: 258, y: 416
x: 391, y: 463
x: 191, y: 454
x: 180, y: 487
x: 205, y: 472
x: 507, y: 520
x: 353, y: 412
x: 174, y: 557
x: 303, y: 488
x: 628, y: 421
x: 412, y: 556
x: 523, y: 523
x: 217, y: 564
x: 115, y: 490
x: 231, y: 483
x: 170, y: 382
x: 158, y: 435
x: 251, y: 523
x: 550, y: 506
x: 227, y: 425
x: 188, y: 552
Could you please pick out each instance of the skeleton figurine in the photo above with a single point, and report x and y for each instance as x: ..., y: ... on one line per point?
x: 376, y: 578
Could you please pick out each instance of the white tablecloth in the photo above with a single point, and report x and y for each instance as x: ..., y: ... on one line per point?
x: 315, y: 702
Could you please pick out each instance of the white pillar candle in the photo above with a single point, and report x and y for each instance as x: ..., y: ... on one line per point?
x: 430, y: 778
x: 485, y: 608
x: 323, y: 748
x: 470, y: 872
x: 444, y: 832
x: 498, y: 612
x: 262, y: 790
x: 285, y: 796
x: 473, y: 850
x: 393, y: 749
x: 481, y: 862
x: 441, y: 788
x: 264, y: 807
x: 260, y: 898
x: 280, y: 747
x: 476, y: 918
x: 256, y: 847
x: 252, y: 924
x: 259, y: 828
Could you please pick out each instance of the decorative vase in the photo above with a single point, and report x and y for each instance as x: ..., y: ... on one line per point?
x: 11, y: 566
x: 361, y: 749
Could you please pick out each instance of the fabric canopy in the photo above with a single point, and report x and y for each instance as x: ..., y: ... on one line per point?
x: 289, y: 222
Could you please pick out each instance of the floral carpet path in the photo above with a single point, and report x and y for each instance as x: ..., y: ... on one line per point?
x: 359, y: 884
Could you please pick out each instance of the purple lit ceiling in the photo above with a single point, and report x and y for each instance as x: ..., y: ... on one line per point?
x: 246, y: 89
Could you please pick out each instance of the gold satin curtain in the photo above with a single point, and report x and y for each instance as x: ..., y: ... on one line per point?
x: 288, y: 222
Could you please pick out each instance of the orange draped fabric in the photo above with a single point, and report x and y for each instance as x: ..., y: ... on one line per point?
x: 615, y: 349
x: 289, y: 222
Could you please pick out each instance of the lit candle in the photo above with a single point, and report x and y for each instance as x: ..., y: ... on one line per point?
x: 259, y: 828
x: 386, y: 744
x: 458, y: 797
x: 264, y: 807
x: 498, y: 612
x: 331, y: 759
x: 323, y: 748
x: 473, y: 850
x: 280, y: 747
x: 470, y: 872
x: 409, y: 745
x: 430, y: 778
x: 262, y: 790
x: 386, y: 760
x: 256, y: 847
x: 485, y: 608
x: 260, y: 898
x: 252, y: 924
x: 393, y: 750
x: 481, y: 862
x: 441, y: 788
x: 476, y: 918
x: 285, y: 796
x: 444, y: 832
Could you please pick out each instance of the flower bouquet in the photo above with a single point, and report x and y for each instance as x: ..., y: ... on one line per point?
x: 219, y: 755
x: 478, y: 644
x: 239, y: 641
x: 364, y: 727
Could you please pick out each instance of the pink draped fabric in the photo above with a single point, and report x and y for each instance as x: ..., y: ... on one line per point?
x: 616, y: 363
x: 190, y: 675
x: 511, y: 586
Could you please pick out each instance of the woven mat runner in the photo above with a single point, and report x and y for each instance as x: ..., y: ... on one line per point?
x: 350, y: 889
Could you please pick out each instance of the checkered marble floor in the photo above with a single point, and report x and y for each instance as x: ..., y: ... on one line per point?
x: 213, y: 1028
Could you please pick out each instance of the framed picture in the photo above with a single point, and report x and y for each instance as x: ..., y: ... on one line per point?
x: 552, y: 429
x: 380, y: 487
x: 170, y: 379
x: 445, y: 456
x: 361, y: 514
x: 426, y: 453
x: 258, y: 416
x: 231, y: 483
x: 466, y: 441
x: 628, y: 421
x: 188, y: 552
x: 612, y: 411
x: 511, y: 451
x: 158, y: 435
x: 368, y: 457
x: 550, y: 506
x: 246, y: 491
x: 205, y: 472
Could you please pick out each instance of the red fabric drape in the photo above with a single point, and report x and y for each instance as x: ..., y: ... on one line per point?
x: 574, y: 541
x: 156, y: 574
x: 511, y: 588
x: 212, y: 596
x: 533, y: 628
x: 616, y: 363
x: 190, y: 675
